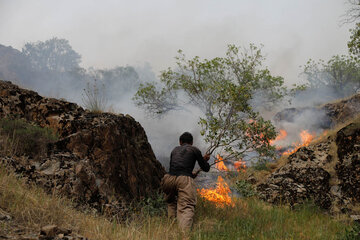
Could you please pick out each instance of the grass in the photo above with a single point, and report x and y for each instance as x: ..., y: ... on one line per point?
x: 18, y: 137
x: 31, y: 207
x: 93, y: 97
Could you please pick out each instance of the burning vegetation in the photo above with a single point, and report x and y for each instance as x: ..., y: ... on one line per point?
x: 220, y: 195
x: 305, y: 138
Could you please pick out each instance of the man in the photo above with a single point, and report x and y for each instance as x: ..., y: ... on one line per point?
x: 178, y: 184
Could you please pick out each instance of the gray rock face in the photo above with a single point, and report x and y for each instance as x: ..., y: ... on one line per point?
x: 327, y: 173
x: 101, y: 159
x: 348, y: 167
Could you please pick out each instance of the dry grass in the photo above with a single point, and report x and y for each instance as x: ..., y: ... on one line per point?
x: 31, y: 207
x: 249, y: 219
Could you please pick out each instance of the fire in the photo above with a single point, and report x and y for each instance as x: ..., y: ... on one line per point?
x: 282, y: 135
x: 240, y: 166
x: 220, y: 164
x: 306, y: 139
x: 219, y: 195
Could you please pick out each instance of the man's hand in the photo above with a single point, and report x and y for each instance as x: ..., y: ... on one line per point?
x: 194, y: 174
x: 206, y: 157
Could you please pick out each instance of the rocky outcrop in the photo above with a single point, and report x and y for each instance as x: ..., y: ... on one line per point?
x: 348, y: 167
x: 343, y: 110
x: 324, y: 116
x: 327, y: 172
x: 101, y: 159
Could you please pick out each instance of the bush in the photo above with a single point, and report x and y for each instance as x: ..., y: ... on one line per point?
x: 24, y: 138
x: 94, y: 98
x: 259, y: 166
x: 352, y: 233
x: 153, y: 205
x: 244, y: 188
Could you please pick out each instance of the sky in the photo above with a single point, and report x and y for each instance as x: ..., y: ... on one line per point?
x: 112, y: 33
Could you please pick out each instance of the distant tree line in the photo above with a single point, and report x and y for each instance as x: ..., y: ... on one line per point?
x: 53, y: 68
x: 342, y: 72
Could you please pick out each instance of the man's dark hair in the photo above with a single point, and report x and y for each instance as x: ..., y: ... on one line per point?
x: 186, y: 137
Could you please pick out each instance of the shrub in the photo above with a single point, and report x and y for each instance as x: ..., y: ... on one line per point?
x: 22, y: 138
x: 153, y: 205
x: 259, y: 166
x: 352, y: 233
x: 244, y: 188
x: 94, y: 98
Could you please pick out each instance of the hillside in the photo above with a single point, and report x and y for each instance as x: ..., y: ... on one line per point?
x: 94, y: 176
x: 327, y: 171
x: 99, y: 159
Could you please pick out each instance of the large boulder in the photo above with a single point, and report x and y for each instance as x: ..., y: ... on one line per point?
x: 348, y: 167
x: 101, y: 159
x: 327, y: 172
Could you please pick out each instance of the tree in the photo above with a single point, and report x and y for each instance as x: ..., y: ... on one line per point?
x: 354, y: 43
x: 353, y: 15
x: 353, y: 12
x: 341, y: 73
x: 119, y: 81
x: 223, y: 88
x: 52, y: 55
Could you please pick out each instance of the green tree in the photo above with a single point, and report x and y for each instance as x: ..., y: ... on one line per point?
x: 341, y: 73
x: 52, y: 55
x: 354, y: 43
x: 223, y: 88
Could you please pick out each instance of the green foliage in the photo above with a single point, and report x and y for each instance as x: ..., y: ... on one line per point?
x: 26, y: 139
x: 260, y: 166
x: 244, y: 188
x: 253, y: 219
x: 52, y: 55
x: 94, y: 98
x: 154, y: 205
x: 351, y: 233
x: 341, y: 73
x: 354, y: 43
x: 223, y: 88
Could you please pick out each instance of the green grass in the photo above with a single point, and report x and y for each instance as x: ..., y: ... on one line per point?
x: 19, y: 137
x: 250, y: 218
x: 31, y: 207
x: 253, y: 219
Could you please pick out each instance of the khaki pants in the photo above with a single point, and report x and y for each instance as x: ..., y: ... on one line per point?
x: 180, y: 194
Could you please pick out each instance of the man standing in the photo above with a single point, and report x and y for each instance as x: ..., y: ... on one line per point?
x: 178, y: 184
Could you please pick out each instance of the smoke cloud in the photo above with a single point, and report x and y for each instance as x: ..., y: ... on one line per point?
x: 123, y: 44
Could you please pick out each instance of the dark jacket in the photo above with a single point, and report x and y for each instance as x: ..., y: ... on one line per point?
x: 183, y: 158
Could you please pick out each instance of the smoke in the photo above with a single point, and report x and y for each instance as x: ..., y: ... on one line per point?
x: 119, y: 84
x: 116, y: 86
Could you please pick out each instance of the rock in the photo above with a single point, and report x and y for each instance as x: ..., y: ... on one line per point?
x: 355, y: 218
x: 100, y: 158
x: 317, y: 172
x: 4, y: 216
x: 49, y: 231
x: 55, y: 232
x: 348, y: 167
x: 327, y: 115
x: 343, y: 110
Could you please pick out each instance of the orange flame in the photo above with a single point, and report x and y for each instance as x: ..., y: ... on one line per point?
x: 240, y: 166
x: 282, y: 135
x: 306, y: 139
x: 219, y: 195
x: 220, y: 164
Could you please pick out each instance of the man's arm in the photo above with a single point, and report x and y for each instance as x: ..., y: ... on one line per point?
x: 203, y: 161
